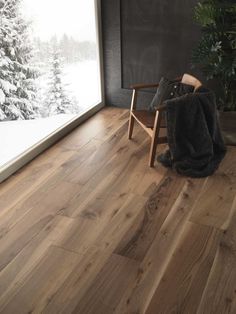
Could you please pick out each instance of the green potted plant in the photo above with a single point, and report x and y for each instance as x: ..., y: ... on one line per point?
x: 215, y: 54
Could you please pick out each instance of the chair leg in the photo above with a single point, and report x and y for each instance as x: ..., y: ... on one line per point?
x: 156, y: 130
x: 131, y: 126
x: 131, y: 118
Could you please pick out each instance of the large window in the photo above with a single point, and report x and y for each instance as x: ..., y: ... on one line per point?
x: 49, y: 69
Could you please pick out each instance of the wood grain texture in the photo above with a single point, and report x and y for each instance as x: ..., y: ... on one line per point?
x: 38, y: 288
x: 87, y: 227
x: 159, y: 253
x: 91, y: 263
x: 109, y: 286
x: 215, y: 202
x: 220, y: 292
x: 188, y: 270
x: 14, y: 274
x: 137, y: 241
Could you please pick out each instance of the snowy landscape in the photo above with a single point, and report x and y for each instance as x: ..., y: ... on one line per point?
x: 81, y: 74
x: 30, y: 132
x: 49, y: 70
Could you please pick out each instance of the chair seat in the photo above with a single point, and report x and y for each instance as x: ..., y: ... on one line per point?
x: 147, y: 118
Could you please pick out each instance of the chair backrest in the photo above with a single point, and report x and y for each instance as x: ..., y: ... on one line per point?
x: 191, y: 80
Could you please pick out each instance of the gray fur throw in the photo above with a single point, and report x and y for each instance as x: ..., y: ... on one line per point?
x: 196, y: 146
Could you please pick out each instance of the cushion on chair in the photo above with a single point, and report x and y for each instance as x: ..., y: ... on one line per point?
x: 168, y: 89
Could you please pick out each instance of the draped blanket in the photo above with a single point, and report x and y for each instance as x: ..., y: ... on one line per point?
x: 196, y: 146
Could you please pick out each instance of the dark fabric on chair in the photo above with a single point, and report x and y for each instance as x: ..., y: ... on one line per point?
x: 196, y: 146
x: 168, y: 89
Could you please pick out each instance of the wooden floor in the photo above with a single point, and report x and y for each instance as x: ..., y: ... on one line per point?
x: 88, y: 227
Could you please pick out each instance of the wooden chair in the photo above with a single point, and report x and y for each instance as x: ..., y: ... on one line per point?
x: 151, y: 122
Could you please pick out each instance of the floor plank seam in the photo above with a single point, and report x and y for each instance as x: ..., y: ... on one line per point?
x: 66, y: 249
x: 205, y: 225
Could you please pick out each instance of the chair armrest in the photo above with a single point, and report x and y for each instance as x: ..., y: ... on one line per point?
x: 143, y: 86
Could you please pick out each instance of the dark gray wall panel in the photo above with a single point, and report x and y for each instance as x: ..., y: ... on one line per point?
x: 157, y: 39
x: 112, y: 52
x: 111, y: 24
x: 143, y: 40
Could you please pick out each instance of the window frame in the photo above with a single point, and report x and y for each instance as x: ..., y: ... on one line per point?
x: 15, y: 164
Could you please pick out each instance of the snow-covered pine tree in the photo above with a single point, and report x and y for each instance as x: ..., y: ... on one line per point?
x: 17, y: 89
x: 58, y: 101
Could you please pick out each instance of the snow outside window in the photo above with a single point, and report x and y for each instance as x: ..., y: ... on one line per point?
x: 49, y: 68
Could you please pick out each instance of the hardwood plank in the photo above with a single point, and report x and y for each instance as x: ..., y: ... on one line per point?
x: 103, y: 178
x: 136, y: 176
x: 125, y: 157
x: 95, y: 258
x: 82, y: 135
x: 22, y: 265
x: 116, y: 146
x: 79, y: 157
x: 13, y: 242
x: 108, y: 287
x: 39, y: 287
x: 214, y: 205
x: 16, y: 235
x: 184, y: 280
x: 91, y: 222
x: 120, y: 179
x: 109, y: 181
x: 29, y: 178
x: 50, y: 185
x: 97, y: 126
x: 87, y: 195
x: 159, y: 254
x: 113, y: 124
x: 51, y: 197
x: 137, y: 241
x: 220, y: 292
x: 88, y: 227
x: 99, y: 158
